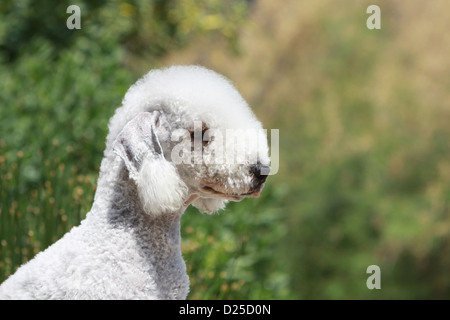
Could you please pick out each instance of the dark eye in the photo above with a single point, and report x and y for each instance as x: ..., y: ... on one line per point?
x: 205, y: 135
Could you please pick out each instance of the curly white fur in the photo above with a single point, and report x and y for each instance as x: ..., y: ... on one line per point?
x: 128, y: 247
x: 167, y: 193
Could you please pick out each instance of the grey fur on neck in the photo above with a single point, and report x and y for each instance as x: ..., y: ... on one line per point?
x: 156, y: 239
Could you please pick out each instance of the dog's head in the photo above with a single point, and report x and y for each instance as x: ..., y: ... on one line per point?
x: 195, y: 140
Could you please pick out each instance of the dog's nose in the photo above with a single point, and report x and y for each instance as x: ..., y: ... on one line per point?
x: 260, y: 171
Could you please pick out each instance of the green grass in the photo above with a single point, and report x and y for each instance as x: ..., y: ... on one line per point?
x: 33, y: 216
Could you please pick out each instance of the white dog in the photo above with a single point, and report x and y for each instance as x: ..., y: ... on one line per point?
x: 183, y: 135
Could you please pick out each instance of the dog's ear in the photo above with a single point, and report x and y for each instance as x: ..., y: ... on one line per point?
x: 159, y: 186
x: 209, y: 205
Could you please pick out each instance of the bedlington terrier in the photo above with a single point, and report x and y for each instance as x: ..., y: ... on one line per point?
x: 183, y: 135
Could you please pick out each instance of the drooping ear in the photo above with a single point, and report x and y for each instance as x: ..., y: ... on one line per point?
x: 209, y: 205
x: 160, y: 188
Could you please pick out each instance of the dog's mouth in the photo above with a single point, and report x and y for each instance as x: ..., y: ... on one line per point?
x: 232, y: 196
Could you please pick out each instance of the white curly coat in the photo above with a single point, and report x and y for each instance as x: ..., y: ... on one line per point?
x: 128, y: 247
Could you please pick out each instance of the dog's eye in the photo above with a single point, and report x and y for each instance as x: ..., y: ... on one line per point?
x: 206, y: 137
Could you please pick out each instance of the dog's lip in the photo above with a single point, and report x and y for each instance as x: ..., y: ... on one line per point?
x: 238, y: 197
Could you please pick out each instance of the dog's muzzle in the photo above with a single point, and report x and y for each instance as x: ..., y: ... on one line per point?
x: 260, y: 172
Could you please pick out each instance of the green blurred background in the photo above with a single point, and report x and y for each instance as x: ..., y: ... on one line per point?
x: 364, y: 120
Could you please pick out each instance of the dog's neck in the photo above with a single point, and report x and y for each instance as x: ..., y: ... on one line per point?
x: 157, y: 238
x: 116, y: 193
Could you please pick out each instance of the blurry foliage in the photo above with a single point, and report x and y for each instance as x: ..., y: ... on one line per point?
x: 364, y: 145
x: 35, y: 215
x: 232, y: 255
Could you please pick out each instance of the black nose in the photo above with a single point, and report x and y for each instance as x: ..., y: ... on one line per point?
x: 260, y: 172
